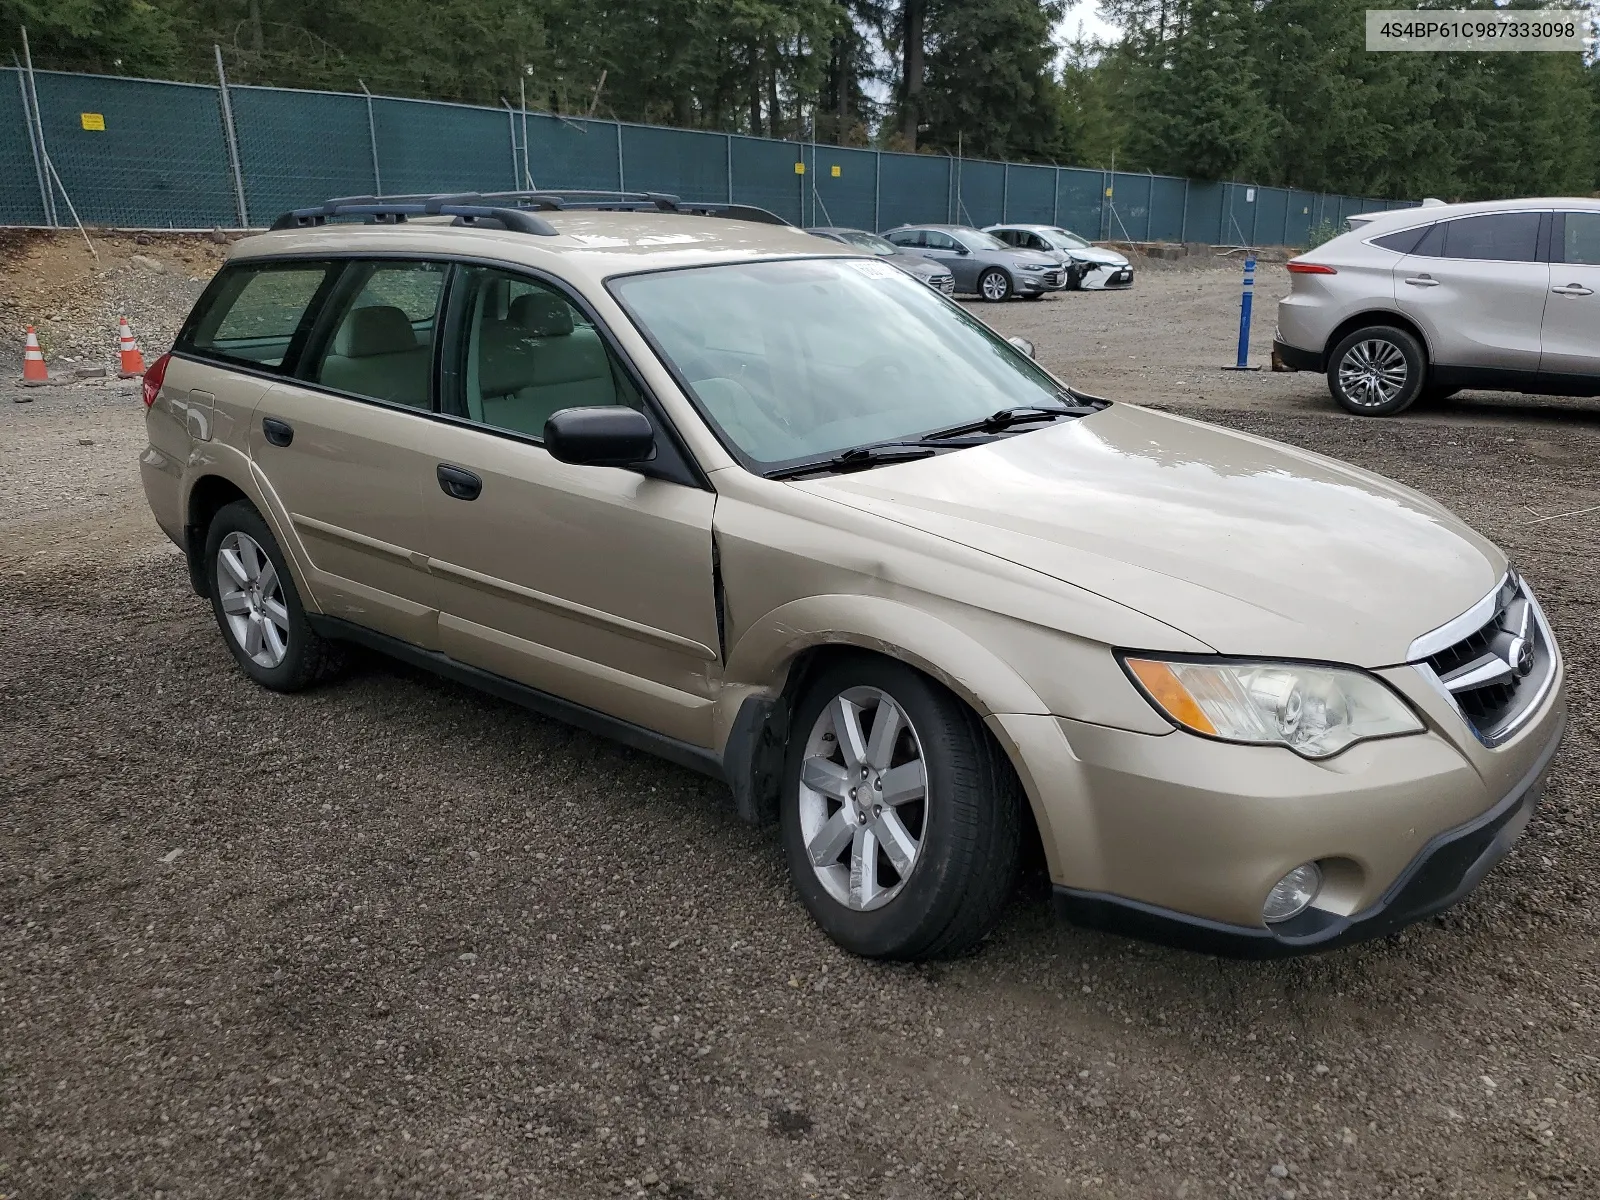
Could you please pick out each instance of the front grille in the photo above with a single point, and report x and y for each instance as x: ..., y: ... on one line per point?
x: 1053, y: 278
x: 947, y: 285
x: 1500, y: 664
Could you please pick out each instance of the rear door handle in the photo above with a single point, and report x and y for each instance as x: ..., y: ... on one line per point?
x: 458, y: 484
x: 1422, y: 281
x: 279, y: 433
x: 1573, y: 289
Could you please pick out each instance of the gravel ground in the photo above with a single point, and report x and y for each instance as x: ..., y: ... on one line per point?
x: 392, y: 938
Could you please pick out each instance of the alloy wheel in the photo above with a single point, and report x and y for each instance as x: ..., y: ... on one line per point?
x: 863, y: 798
x: 1373, y: 373
x: 252, y: 600
x: 995, y: 286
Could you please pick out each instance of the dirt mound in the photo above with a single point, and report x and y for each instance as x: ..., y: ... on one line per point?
x: 52, y: 281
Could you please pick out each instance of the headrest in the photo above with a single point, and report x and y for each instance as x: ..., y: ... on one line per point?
x: 376, y: 329
x: 539, y: 314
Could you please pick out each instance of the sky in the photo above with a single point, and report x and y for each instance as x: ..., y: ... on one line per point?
x: 1087, y: 14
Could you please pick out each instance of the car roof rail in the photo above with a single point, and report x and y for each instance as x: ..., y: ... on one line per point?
x: 513, y: 210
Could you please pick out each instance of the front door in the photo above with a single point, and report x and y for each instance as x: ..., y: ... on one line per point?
x: 594, y: 584
x: 1572, y: 313
x: 954, y: 257
x: 346, y: 449
x: 1477, y: 288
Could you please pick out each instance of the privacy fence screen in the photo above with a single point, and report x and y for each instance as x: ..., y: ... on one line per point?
x: 138, y: 153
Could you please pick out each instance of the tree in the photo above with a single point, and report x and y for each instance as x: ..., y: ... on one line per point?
x: 991, y: 87
x: 1199, y: 108
x: 115, y: 37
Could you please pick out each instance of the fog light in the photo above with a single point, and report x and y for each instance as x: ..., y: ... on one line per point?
x: 1291, y: 894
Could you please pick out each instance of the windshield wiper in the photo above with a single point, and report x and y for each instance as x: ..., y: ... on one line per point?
x: 1006, y: 418
x: 863, y: 458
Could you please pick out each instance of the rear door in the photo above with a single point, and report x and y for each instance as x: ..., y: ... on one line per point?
x: 594, y: 584
x: 1572, y: 313
x: 1477, y: 288
x: 345, y: 449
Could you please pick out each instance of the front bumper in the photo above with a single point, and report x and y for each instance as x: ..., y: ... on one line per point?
x: 1106, y: 277
x: 1177, y: 839
x: 1450, y: 866
x: 1032, y: 283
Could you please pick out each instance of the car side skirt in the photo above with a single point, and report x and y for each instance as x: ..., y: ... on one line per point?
x: 696, y: 758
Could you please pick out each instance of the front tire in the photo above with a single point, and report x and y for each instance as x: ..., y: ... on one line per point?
x: 1377, y: 371
x: 901, y: 818
x: 257, y: 606
x: 994, y: 285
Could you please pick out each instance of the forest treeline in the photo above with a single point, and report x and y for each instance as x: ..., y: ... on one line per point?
x: 1274, y: 91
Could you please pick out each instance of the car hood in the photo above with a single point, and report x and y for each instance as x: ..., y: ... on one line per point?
x: 917, y: 265
x: 1250, y: 546
x: 1025, y: 257
x: 1094, y: 254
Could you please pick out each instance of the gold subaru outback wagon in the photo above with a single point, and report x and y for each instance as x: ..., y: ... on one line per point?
x: 764, y: 506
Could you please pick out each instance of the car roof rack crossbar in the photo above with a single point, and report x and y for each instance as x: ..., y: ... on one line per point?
x: 386, y: 211
x: 514, y: 210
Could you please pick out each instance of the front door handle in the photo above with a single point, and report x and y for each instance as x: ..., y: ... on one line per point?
x: 1573, y: 289
x: 458, y: 484
x: 279, y: 433
x: 1422, y: 281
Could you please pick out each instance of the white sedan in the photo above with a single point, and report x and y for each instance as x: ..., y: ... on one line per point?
x: 1098, y: 269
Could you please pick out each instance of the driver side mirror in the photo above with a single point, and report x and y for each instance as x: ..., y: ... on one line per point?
x: 608, y: 436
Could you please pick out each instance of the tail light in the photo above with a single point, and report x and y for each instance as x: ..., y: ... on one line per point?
x: 1296, y: 267
x: 154, y: 375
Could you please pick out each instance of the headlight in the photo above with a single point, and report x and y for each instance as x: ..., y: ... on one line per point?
x: 1035, y: 267
x: 1314, y: 711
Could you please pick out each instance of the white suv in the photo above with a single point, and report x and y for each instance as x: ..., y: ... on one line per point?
x: 1422, y: 302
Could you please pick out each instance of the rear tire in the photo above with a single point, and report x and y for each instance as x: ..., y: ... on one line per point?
x: 995, y: 285
x: 257, y: 607
x: 935, y: 809
x: 1377, y: 371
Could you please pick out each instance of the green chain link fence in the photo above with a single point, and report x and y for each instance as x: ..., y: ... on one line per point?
x: 137, y: 153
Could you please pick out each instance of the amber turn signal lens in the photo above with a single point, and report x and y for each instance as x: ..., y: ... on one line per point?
x: 1170, y: 695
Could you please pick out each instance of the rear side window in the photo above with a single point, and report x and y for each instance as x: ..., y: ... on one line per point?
x: 251, y: 312
x: 1581, y: 244
x: 907, y: 237
x: 1404, y: 242
x: 1495, y: 237
x: 380, y: 344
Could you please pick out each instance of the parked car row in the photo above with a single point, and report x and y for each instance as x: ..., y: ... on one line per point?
x: 997, y: 263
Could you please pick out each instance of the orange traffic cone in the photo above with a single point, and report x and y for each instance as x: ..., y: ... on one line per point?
x: 132, y: 361
x: 33, y: 369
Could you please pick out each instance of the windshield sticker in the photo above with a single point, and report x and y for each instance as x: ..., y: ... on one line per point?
x: 872, y: 270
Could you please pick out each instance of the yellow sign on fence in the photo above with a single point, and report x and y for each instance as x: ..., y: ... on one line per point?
x: 799, y: 168
x: 93, y: 121
x: 836, y: 172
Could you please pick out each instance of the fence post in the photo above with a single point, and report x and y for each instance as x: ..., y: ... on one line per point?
x: 1149, y: 205
x: 511, y: 125
x: 622, y: 179
x: 1183, y: 221
x: 730, y: 167
x: 38, y: 122
x: 1255, y: 210
x: 233, y: 141
x: 372, y: 138
x: 33, y: 147
x: 1055, y: 199
x: 1005, y: 191
x: 877, y: 191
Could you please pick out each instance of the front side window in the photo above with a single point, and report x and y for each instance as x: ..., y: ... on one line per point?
x: 530, y: 352
x: 380, y: 345
x: 1581, y: 244
x: 934, y: 240
x: 809, y: 357
x: 1497, y: 237
x: 251, y: 312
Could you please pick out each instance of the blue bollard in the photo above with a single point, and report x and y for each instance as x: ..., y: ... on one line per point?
x: 1244, y: 318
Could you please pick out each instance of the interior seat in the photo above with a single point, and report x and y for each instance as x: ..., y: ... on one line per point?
x: 538, y: 362
x: 376, y: 353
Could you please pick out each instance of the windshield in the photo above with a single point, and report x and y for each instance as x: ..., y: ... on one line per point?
x: 868, y: 241
x: 806, y: 358
x: 1064, y: 239
x: 977, y: 239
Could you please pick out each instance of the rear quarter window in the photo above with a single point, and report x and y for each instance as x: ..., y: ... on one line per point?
x: 1403, y: 242
x: 251, y: 312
